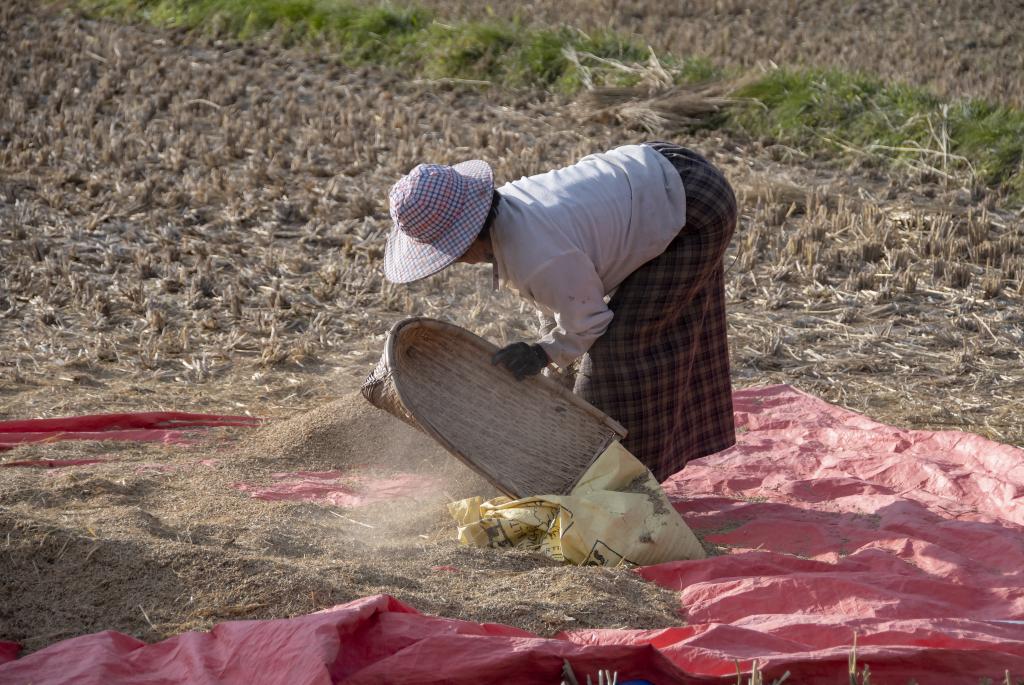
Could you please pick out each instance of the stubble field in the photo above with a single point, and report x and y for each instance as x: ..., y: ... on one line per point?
x: 199, y: 226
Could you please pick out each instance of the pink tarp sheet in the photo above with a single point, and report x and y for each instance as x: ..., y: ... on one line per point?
x: 835, y: 526
x: 164, y: 426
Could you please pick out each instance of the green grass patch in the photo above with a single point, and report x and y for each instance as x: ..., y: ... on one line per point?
x: 822, y: 110
x: 815, y: 110
x: 508, y: 54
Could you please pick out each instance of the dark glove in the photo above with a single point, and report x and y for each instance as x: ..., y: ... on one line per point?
x: 522, y: 359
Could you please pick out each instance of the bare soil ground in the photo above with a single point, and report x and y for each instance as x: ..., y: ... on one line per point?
x: 198, y: 226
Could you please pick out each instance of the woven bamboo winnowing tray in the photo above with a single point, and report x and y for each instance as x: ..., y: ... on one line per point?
x: 530, y: 437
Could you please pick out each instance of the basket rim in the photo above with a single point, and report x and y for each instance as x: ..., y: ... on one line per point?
x: 550, y: 385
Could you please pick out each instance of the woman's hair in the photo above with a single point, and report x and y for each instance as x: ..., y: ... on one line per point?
x: 485, y: 232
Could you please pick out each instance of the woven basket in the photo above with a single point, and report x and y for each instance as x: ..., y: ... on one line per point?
x: 530, y: 437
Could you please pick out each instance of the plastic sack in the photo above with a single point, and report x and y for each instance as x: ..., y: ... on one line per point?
x: 616, y: 514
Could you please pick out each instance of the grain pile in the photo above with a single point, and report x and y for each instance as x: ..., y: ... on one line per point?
x: 348, y: 432
x: 158, y: 542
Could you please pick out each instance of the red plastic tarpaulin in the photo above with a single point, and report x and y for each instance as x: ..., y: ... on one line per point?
x: 370, y: 641
x: 839, y: 525
x: 164, y: 426
x: 834, y: 525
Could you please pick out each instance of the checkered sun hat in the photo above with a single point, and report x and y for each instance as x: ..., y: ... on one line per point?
x: 438, y: 212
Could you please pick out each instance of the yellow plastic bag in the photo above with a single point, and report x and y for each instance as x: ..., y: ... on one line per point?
x: 617, y: 514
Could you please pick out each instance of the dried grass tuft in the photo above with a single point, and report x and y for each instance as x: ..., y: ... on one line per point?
x: 670, y: 111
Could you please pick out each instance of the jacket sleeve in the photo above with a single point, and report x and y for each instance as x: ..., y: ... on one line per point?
x: 568, y: 286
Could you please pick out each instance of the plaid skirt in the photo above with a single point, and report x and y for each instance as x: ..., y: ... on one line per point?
x: 662, y: 367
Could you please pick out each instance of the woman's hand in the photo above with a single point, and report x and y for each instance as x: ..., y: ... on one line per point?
x: 522, y: 359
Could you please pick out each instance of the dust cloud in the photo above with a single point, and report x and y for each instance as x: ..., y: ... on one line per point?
x: 352, y: 436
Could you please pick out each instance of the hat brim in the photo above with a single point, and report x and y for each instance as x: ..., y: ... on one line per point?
x: 407, y: 260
